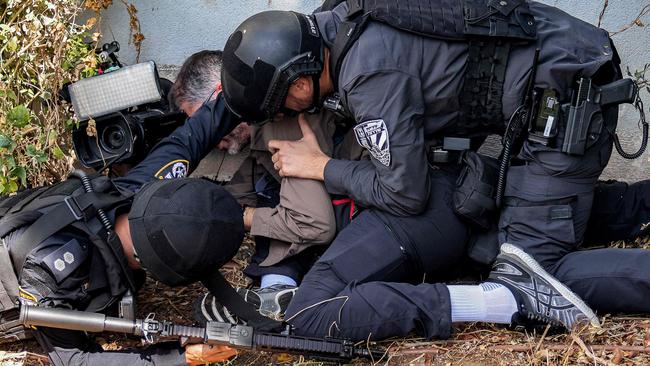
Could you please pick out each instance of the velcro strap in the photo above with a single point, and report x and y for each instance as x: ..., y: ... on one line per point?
x: 561, y: 212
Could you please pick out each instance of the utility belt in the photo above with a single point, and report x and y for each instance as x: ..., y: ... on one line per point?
x: 572, y: 126
x: 447, y: 152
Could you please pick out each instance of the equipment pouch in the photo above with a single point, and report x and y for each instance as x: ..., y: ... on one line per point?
x: 474, y: 196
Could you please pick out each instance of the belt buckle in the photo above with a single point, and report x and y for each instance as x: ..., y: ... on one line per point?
x: 439, y: 155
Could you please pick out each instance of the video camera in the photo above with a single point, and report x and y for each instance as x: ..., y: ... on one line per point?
x: 123, y: 111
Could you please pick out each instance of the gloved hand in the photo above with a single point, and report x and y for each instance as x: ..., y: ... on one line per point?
x: 200, y: 354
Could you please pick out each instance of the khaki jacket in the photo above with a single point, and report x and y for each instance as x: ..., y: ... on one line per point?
x: 304, y: 217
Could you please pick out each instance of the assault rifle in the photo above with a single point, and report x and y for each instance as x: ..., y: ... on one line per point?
x: 221, y: 333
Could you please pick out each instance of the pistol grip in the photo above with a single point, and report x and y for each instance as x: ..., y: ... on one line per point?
x: 618, y: 92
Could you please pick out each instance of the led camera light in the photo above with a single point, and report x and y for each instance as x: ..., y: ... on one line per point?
x: 115, y: 91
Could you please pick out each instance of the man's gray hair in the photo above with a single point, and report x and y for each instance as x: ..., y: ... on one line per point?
x: 197, y: 78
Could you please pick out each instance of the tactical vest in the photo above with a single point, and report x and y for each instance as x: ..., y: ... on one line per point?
x: 489, y: 27
x: 45, y: 211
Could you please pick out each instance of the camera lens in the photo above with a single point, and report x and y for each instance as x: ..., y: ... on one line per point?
x: 113, y: 137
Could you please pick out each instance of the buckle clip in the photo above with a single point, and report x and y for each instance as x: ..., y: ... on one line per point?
x: 74, y: 208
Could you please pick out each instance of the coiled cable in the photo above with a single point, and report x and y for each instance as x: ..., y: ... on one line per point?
x: 88, y: 187
x: 638, y: 104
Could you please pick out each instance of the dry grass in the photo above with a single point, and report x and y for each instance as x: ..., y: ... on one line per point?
x: 623, y: 340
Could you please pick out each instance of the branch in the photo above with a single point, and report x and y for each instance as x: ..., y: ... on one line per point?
x: 636, y: 21
x: 529, y: 348
x: 588, y: 352
x: 602, y: 13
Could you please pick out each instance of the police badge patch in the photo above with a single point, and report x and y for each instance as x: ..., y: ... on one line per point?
x: 373, y: 136
x: 174, y: 169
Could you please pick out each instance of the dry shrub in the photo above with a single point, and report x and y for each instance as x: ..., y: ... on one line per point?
x: 41, y: 49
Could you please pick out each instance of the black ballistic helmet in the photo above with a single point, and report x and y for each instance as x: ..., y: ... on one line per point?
x: 264, y: 56
x: 185, y: 229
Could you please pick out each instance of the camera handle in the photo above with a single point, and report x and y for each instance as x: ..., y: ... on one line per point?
x: 108, y: 57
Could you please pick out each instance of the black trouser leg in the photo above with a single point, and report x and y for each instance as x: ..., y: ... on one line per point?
x: 365, y: 283
x: 620, y: 211
x: 609, y: 280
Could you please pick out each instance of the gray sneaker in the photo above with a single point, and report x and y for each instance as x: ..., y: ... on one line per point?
x: 270, y: 301
x: 539, y: 295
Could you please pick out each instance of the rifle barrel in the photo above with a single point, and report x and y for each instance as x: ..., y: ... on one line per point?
x: 75, y: 320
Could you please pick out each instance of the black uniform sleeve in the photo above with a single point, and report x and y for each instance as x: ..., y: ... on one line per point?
x: 388, y: 109
x: 68, y: 348
x: 177, y: 155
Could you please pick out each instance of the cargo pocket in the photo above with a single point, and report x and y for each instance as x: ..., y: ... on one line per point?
x: 383, y: 259
x: 546, y: 231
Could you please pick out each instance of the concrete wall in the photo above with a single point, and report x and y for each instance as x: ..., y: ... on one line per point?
x: 175, y: 29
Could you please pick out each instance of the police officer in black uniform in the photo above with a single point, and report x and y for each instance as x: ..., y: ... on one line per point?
x: 177, y: 155
x: 66, y: 254
x: 452, y: 73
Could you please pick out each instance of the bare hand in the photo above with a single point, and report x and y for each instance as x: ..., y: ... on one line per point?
x: 248, y: 217
x: 201, y: 354
x: 302, y: 158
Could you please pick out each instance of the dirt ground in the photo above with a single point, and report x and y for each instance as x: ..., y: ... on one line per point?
x: 623, y: 340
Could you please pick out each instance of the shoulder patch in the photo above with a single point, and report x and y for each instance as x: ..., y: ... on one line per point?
x: 63, y: 261
x: 173, y: 169
x: 373, y: 135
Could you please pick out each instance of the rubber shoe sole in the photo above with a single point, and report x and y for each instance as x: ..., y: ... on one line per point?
x: 518, y: 255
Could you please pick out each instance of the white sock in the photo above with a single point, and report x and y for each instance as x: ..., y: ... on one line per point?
x: 276, y: 279
x: 487, y: 302
x: 501, y: 304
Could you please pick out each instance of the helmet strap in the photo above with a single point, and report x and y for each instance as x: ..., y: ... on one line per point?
x: 315, y: 104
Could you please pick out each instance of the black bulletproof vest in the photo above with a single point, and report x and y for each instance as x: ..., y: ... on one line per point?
x: 48, y: 210
x: 489, y: 27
